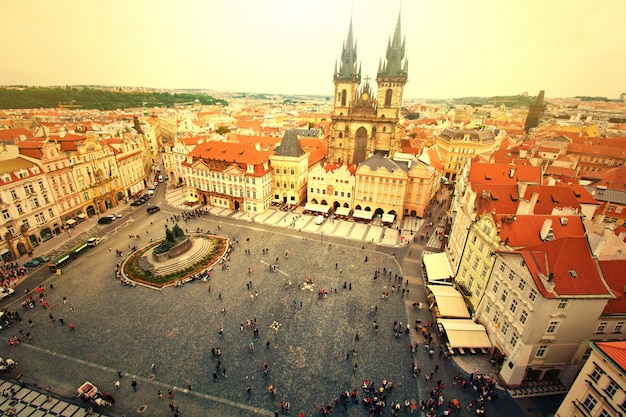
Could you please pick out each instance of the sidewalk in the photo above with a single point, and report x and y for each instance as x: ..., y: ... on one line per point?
x: 373, y: 233
x: 20, y: 400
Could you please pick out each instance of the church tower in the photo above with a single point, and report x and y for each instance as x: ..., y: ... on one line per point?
x: 535, y: 112
x: 362, y: 124
x: 391, y: 78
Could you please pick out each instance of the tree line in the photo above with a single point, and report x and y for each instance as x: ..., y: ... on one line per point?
x: 93, y: 98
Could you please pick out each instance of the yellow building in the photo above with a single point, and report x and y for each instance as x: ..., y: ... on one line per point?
x: 291, y: 164
x: 423, y: 182
x: 95, y: 172
x: 483, y: 240
x: 455, y: 146
x: 381, y: 186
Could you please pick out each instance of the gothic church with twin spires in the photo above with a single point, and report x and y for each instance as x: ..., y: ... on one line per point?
x: 362, y: 124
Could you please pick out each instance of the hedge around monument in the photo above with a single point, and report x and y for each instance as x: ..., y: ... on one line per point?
x: 135, y: 273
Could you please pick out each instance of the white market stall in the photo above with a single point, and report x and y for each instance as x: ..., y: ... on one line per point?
x: 447, y: 302
x: 464, y: 333
x: 438, y: 269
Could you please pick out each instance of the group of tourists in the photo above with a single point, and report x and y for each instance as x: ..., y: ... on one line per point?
x: 10, y: 272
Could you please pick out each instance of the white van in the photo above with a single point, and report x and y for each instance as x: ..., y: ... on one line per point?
x: 150, y: 191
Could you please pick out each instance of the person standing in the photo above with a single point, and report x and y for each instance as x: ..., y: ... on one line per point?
x: 134, y: 384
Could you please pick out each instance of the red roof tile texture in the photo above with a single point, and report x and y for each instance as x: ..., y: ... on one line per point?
x: 613, y: 271
x: 575, y: 271
x: 616, y: 351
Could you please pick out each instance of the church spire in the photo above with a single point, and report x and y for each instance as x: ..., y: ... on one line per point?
x: 348, y: 65
x: 395, y: 55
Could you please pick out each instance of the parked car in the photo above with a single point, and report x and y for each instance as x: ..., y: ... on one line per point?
x: 106, y: 219
x: 93, y: 241
x: 153, y: 209
x: 33, y: 263
x: 137, y: 202
x: 5, y: 292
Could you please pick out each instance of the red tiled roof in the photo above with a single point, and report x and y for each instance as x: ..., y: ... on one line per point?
x: 566, y: 257
x: 504, y: 199
x: 613, y: 271
x: 524, y: 230
x: 501, y: 174
x: 13, y: 134
x: 237, y: 153
x: 614, y: 179
x: 616, y: 351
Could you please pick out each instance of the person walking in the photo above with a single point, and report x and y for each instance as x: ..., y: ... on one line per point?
x: 134, y: 384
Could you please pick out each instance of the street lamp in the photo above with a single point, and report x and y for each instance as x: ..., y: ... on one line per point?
x: 67, y: 227
x: 275, y: 326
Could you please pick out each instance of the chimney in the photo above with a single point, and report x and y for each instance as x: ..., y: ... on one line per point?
x: 532, y: 203
x: 257, y: 146
x: 546, y: 228
x: 511, y: 172
x: 521, y: 189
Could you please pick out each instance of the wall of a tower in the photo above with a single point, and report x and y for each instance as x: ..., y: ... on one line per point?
x: 389, y: 110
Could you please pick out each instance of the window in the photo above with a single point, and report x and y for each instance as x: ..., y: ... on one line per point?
x: 618, y: 327
x: 604, y: 413
x: 505, y: 328
x: 502, y: 267
x: 514, y: 339
x: 496, y: 318
x: 552, y: 327
x: 485, y: 271
x: 611, y: 389
x: 5, y: 214
x: 596, y: 374
x: 601, y: 327
x: 505, y: 295
x: 523, y: 317
x: 532, y: 295
x: 476, y: 262
x: 513, y: 306
x: 563, y: 304
x: 496, y: 285
x: 521, y: 285
x: 541, y: 352
x: 589, y: 403
x: 511, y: 275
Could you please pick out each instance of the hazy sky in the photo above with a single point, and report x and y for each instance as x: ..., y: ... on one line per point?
x: 455, y: 47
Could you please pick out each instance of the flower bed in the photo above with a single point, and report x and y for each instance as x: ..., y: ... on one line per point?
x: 135, y: 273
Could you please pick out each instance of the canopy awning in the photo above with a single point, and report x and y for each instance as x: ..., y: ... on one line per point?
x: 450, y: 302
x: 342, y: 211
x: 362, y: 214
x: 437, y: 267
x: 318, y: 208
x: 388, y: 218
x: 191, y: 199
x: 4, y: 251
x: 70, y: 221
x: 464, y: 333
x: 81, y: 215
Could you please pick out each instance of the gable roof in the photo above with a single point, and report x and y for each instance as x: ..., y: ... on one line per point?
x: 290, y: 145
x: 521, y: 231
x: 504, y: 173
x: 574, y: 271
x: 613, y: 272
x: 616, y: 351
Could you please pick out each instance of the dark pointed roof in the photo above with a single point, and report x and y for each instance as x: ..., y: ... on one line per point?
x: 290, y: 145
x: 348, y: 66
x: 392, y: 66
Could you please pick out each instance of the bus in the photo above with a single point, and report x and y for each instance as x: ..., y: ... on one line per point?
x: 59, y: 262
x: 74, y: 253
x: 78, y: 250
